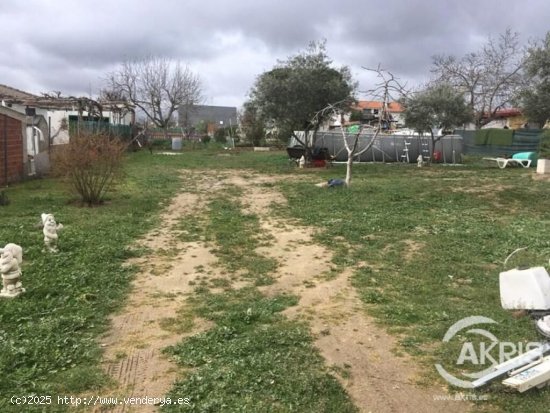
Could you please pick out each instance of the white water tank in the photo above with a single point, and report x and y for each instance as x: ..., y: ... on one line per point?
x: 527, y: 289
x: 176, y: 144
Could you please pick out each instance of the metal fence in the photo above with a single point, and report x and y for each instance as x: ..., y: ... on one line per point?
x: 522, y: 140
x: 393, y: 147
x: 123, y: 131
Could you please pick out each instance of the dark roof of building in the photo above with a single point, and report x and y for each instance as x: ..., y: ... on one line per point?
x: 11, y: 92
x: 12, y: 95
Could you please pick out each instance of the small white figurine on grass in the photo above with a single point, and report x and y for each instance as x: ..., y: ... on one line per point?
x: 11, y: 256
x: 50, y: 231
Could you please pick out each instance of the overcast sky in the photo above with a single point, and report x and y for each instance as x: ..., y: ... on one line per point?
x: 69, y: 46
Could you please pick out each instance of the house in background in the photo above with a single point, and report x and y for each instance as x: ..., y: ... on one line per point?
x: 368, y: 112
x: 371, y: 110
x: 43, y: 121
x: 212, y: 117
x: 510, y: 118
x: 63, y: 113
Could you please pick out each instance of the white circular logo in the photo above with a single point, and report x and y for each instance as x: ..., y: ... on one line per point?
x: 451, y: 332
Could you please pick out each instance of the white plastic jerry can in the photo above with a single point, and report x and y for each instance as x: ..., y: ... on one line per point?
x: 527, y: 289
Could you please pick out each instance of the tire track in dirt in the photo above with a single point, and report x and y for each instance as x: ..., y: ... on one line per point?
x: 133, y: 346
x: 354, y: 347
x: 357, y: 351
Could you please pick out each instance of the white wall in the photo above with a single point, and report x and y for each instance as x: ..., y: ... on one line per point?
x: 55, y: 118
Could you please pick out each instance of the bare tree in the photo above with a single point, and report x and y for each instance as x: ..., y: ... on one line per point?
x: 157, y: 86
x: 490, y: 78
x: 351, y: 140
x: 54, y: 94
x: 388, y: 89
x: 535, y: 99
x: 385, y: 90
x: 109, y: 95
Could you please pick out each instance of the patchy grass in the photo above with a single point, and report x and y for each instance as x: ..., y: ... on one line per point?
x: 183, y: 323
x: 236, y: 235
x: 431, y: 243
x: 427, y: 244
x: 48, y: 334
x: 253, y: 360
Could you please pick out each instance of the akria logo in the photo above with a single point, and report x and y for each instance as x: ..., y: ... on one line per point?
x: 488, y: 350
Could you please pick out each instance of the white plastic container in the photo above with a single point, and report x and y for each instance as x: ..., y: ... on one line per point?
x: 525, y: 289
x: 176, y: 144
x: 543, y: 166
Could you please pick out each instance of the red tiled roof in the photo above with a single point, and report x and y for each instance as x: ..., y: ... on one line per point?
x: 507, y: 113
x: 375, y: 104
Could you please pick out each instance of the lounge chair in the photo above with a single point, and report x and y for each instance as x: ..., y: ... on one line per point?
x: 504, y: 162
x: 524, y: 159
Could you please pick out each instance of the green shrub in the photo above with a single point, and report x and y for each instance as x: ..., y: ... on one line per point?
x: 221, y: 134
x: 356, y: 116
x: 4, y: 198
x: 544, y: 145
x: 161, y: 144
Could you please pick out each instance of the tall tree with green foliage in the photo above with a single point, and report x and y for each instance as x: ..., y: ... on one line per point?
x: 535, y: 99
x: 251, y: 125
x: 436, y: 107
x: 297, y: 89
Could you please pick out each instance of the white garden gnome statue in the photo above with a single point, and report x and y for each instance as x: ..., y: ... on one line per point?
x: 50, y: 231
x: 11, y: 257
x: 420, y: 161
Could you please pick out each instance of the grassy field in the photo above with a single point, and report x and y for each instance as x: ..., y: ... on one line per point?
x: 253, y: 360
x: 428, y: 245
x: 48, y: 334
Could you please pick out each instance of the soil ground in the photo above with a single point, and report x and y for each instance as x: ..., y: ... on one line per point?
x: 358, y: 352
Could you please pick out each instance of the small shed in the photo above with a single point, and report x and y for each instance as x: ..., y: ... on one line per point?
x: 23, y: 147
x: 12, y: 165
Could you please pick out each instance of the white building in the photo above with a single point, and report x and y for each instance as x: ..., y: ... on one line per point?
x: 60, y: 113
x: 49, y: 120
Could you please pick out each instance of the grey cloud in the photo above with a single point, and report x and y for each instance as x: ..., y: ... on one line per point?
x: 66, y: 45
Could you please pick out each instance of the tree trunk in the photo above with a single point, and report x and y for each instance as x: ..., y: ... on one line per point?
x: 433, y: 147
x: 349, y: 164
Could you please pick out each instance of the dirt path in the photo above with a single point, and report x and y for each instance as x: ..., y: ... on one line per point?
x: 357, y: 351
x: 133, y: 347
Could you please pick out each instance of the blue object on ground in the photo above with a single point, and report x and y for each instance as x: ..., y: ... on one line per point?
x: 336, y: 182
